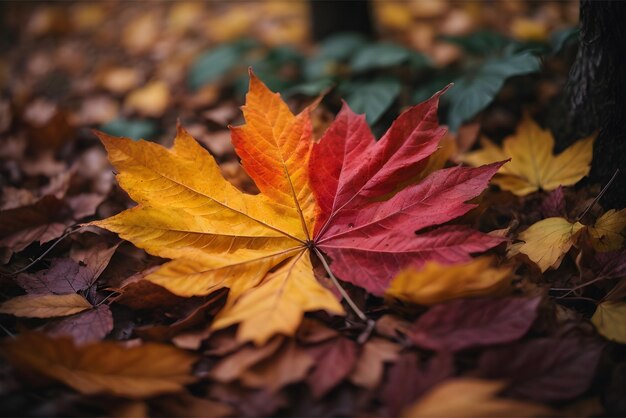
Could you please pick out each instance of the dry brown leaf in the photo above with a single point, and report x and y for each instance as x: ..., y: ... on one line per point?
x: 45, y: 306
x: 468, y: 397
x: 104, y: 367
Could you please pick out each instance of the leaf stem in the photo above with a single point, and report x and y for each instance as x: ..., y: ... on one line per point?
x: 341, y: 290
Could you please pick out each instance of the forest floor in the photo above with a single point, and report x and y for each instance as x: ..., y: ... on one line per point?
x: 510, y: 305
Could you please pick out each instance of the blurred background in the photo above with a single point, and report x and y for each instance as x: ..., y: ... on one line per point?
x: 135, y: 68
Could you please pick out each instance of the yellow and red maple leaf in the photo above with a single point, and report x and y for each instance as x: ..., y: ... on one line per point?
x: 338, y: 196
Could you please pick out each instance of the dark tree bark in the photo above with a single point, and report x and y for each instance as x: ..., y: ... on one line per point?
x: 596, y: 92
x: 330, y: 17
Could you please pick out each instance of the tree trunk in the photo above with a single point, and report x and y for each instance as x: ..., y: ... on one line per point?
x: 596, y: 92
x: 330, y: 17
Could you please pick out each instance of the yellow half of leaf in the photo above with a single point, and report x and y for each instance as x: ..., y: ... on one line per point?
x: 533, y: 166
x: 188, y: 212
x: 547, y: 241
x: 469, y: 397
x: 278, y: 304
x: 104, y: 367
x: 610, y: 320
x: 45, y: 306
x: 436, y: 283
x: 606, y: 234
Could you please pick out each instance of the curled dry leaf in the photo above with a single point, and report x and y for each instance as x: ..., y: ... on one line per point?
x: 533, y: 166
x: 313, y: 198
x: 606, y: 233
x: 104, y: 367
x: 45, y: 306
x: 610, y: 320
x: 472, y: 398
x: 436, y: 283
x: 547, y: 241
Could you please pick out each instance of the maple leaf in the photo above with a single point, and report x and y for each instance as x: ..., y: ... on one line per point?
x: 533, y: 166
x: 436, y: 283
x: 312, y: 199
x: 103, y: 367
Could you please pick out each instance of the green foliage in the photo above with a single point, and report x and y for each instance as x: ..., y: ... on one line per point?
x: 131, y: 128
x: 371, y: 75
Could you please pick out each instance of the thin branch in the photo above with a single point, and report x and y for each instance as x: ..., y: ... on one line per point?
x: 341, y: 290
x: 68, y: 232
x: 599, y: 196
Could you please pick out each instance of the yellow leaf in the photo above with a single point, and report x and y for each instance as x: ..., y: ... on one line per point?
x: 606, y: 233
x: 150, y: 100
x: 104, y: 367
x: 610, y: 320
x: 547, y: 241
x: 533, y: 166
x: 436, y: 283
x: 45, y: 306
x: 470, y: 397
x: 279, y: 303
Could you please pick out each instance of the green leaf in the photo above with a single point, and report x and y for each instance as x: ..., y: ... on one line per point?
x: 131, y: 128
x: 342, y: 46
x: 480, y: 43
x: 215, y: 63
x: 471, y: 94
x: 372, y: 97
x: 311, y: 88
x: 379, y: 55
x: 559, y: 39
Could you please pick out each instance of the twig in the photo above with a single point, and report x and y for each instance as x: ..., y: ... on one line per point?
x: 599, y: 196
x: 69, y: 231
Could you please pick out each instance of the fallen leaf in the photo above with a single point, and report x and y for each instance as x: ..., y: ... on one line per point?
x: 290, y: 364
x: 436, y: 283
x: 370, y: 365
x: 606, y: 233
x: 408, y: 379
x: 45, y: 306
x: 554, y: 204
x: 220, y: 237
x: 85, y: 327
x: 104, y: 367
x: 533, y: 166
x: 543, y: 369
x: 463, y: 324
x: 334, y: 360
x: 233, y: 366
x: 150, y: 100
x: 610, y: 320
x: 63, y: 276
x: 472, y: 398
x: 369, y: 235
x: 547, y: 241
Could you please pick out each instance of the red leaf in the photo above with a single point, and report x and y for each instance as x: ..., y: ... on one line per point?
x: 334, y: 360
x: 85, y: 327
x: 407, y: 380
x: 369, y: 238
x: 546, y: 369
x: 469, y: 323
